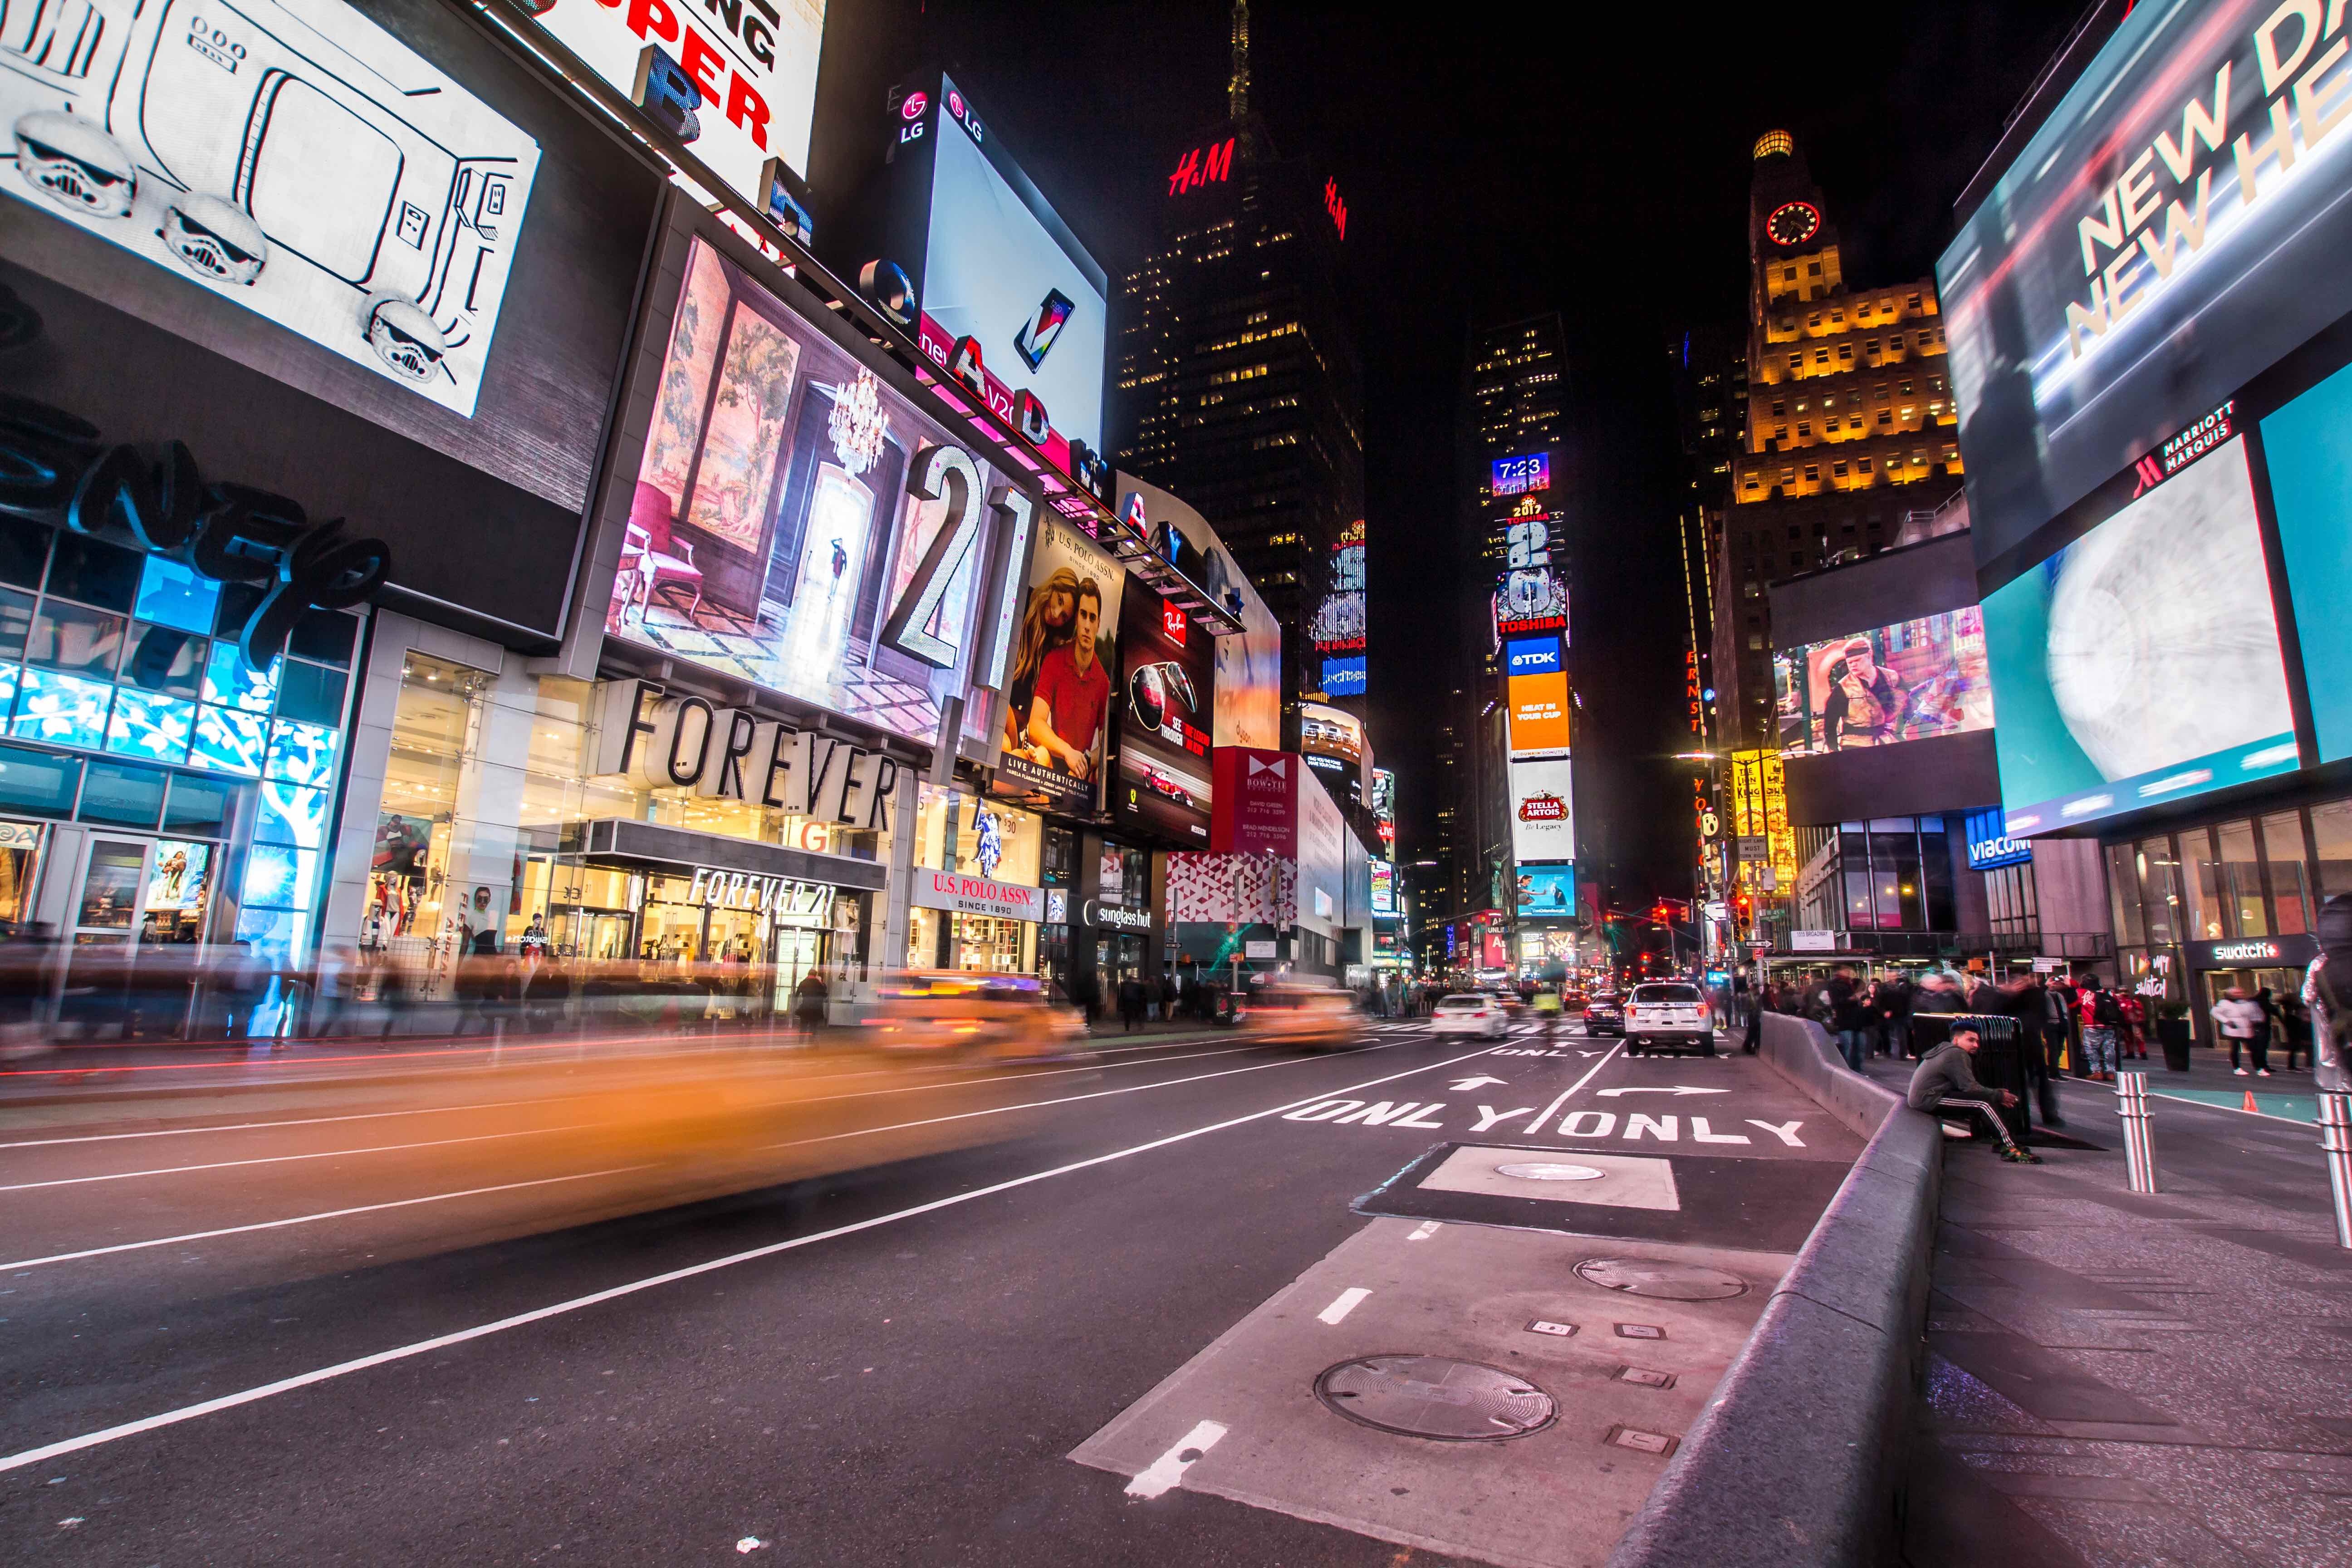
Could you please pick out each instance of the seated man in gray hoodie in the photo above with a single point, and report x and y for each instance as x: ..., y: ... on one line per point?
x: 1944, y: 1081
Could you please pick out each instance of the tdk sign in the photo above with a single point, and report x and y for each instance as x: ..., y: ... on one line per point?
x: 1534, y: 656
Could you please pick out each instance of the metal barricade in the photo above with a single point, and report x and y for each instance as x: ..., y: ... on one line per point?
x: 2139, y: 1149
x: 2336, y: 1138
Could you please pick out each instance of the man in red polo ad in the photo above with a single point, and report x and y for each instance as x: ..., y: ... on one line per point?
x: 1073, y: 692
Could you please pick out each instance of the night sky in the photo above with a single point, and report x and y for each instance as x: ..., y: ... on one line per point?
x: 1499, y: 164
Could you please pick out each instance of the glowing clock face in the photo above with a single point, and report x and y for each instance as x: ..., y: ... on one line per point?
x: 1793, y: 223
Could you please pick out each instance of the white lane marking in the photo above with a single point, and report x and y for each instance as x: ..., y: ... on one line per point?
x: 551, y: 1099
x: 290, y: 1121
x: 614, y: 1293
x: 1537, y: 1125
x: 283, y: 1159
x: 312, y: 1218
x: 1345, y: 1302
x: 1427, y: 1229
x: 1676, y: 1089
x: 1064, y: 1100
x: 1168, y: 1470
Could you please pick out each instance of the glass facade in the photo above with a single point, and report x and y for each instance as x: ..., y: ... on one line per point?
x: 1886, y: 874
x: 133, y: 659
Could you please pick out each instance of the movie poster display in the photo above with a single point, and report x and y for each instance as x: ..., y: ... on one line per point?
x: 1059, y: 689
x: 1166, y: 695
x: 797, y: 524
x: 1880, y: 687
x: 2140, y: 665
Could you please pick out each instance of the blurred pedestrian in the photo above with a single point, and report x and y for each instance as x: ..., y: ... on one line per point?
x: 1130, y: 1003
x: 2133, y: 1038
x: 2323, y: 991
x: 811, y: 1001
x: 2294, y: 1021
x: 2099, y: 1017
x: 1849, y: 1017
x: 1894, y: 999
x: 2241, y: 1024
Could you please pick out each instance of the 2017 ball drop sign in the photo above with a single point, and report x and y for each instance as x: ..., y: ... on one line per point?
x: 287, y: 157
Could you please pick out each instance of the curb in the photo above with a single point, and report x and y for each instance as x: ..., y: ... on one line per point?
x: 1798, y: 1460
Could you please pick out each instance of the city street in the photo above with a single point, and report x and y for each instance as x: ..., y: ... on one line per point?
x: 448, y: 1332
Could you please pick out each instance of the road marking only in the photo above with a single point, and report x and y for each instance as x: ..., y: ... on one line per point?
x: 1169, y: 1469
x: 87, y: 1440
x: 1343, y: 1304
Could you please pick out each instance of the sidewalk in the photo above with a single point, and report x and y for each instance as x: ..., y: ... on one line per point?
x: 2118, y: 1380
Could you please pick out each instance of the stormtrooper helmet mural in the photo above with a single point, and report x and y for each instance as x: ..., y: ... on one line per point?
x: 74, y: 163
x: 405, y: 338
x: 214, y: 238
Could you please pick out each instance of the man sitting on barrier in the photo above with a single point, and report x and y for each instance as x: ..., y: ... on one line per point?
x: 1945, y: 1082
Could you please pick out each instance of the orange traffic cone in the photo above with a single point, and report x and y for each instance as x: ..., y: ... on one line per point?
x: 2250, y: 1104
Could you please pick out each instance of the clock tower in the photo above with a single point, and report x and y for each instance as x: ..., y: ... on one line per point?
x: 1851, y: 431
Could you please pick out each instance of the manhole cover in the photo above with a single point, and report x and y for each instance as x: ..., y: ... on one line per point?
x: 1666, y: 1282
x: 1548, y: 1170
x: 1435, y: 1396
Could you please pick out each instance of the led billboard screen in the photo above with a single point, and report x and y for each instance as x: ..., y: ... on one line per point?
x: 1519, y: 476
x: 999, y: 266
x: 1331, y: 739
x: 1543, y: 819
x: 1344, y: 676
x: 1165, y: 700
x: 2192, y: 173
x: 1547, y: 893
x: 1338, y: 625
x: 2140, y: 664
x: 325, y: 176
x: 2309, y: 446
x: 1538, y: 713
x: 736, y: 83
x: 1384, y: 901
x: 1058, y: 695
x: 1880, y: 687
x: 771, y: 542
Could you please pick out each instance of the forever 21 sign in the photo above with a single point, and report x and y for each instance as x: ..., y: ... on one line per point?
x: 728, y: 753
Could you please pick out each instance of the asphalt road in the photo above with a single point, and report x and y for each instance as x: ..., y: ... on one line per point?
x: 457, y: 1330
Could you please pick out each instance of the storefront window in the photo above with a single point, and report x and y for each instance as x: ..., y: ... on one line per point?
x: 2200, y: 882
x: 2331, y: 825
x: 2159, y: 891
x: 2242, y: 877
x: 961, y: 832
x: 2123, y: 895
x: 1125, y: 877
x: 2290, y: 889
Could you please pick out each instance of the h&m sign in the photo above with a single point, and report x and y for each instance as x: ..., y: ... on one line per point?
x: 729, y: 753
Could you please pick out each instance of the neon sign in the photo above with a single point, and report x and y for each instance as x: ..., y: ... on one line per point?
x: 1210, y: 165
x: 1335, y: 206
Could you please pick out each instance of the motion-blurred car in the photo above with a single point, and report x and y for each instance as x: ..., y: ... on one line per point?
x: 1469, y: 1013
x: 1670, y: 1015
x: 1604, y: 1014
x: 1300, y: 1013
x: 953, y: 1013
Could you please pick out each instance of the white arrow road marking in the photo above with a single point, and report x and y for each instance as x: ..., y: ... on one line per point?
x: 1470, y: 1083
x: 1679, y: 1088
x: 1169, y: 1469
x: 1588, y: 1054
x: 1345, y: 1302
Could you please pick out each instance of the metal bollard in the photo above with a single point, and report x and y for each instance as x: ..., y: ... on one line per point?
x: 2336, y: 1138
x: 2139, y: 1151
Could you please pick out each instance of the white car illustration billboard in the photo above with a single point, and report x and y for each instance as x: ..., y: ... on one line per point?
x: 288, y: 154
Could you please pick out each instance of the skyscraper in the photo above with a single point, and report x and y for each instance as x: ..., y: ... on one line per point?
x: 1851, y: 426
x: 1236, y: 381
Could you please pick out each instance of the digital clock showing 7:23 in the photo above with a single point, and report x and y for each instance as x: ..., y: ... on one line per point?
x: 1516, y: 476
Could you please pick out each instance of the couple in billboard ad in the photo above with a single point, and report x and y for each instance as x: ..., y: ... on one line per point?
x: 1058, y: 698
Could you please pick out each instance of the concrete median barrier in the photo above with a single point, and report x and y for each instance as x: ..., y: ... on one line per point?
x: 1798, y: 1460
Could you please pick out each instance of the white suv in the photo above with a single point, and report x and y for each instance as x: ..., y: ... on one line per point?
x: 1469, y: 1013
x: 1663, y: 1012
